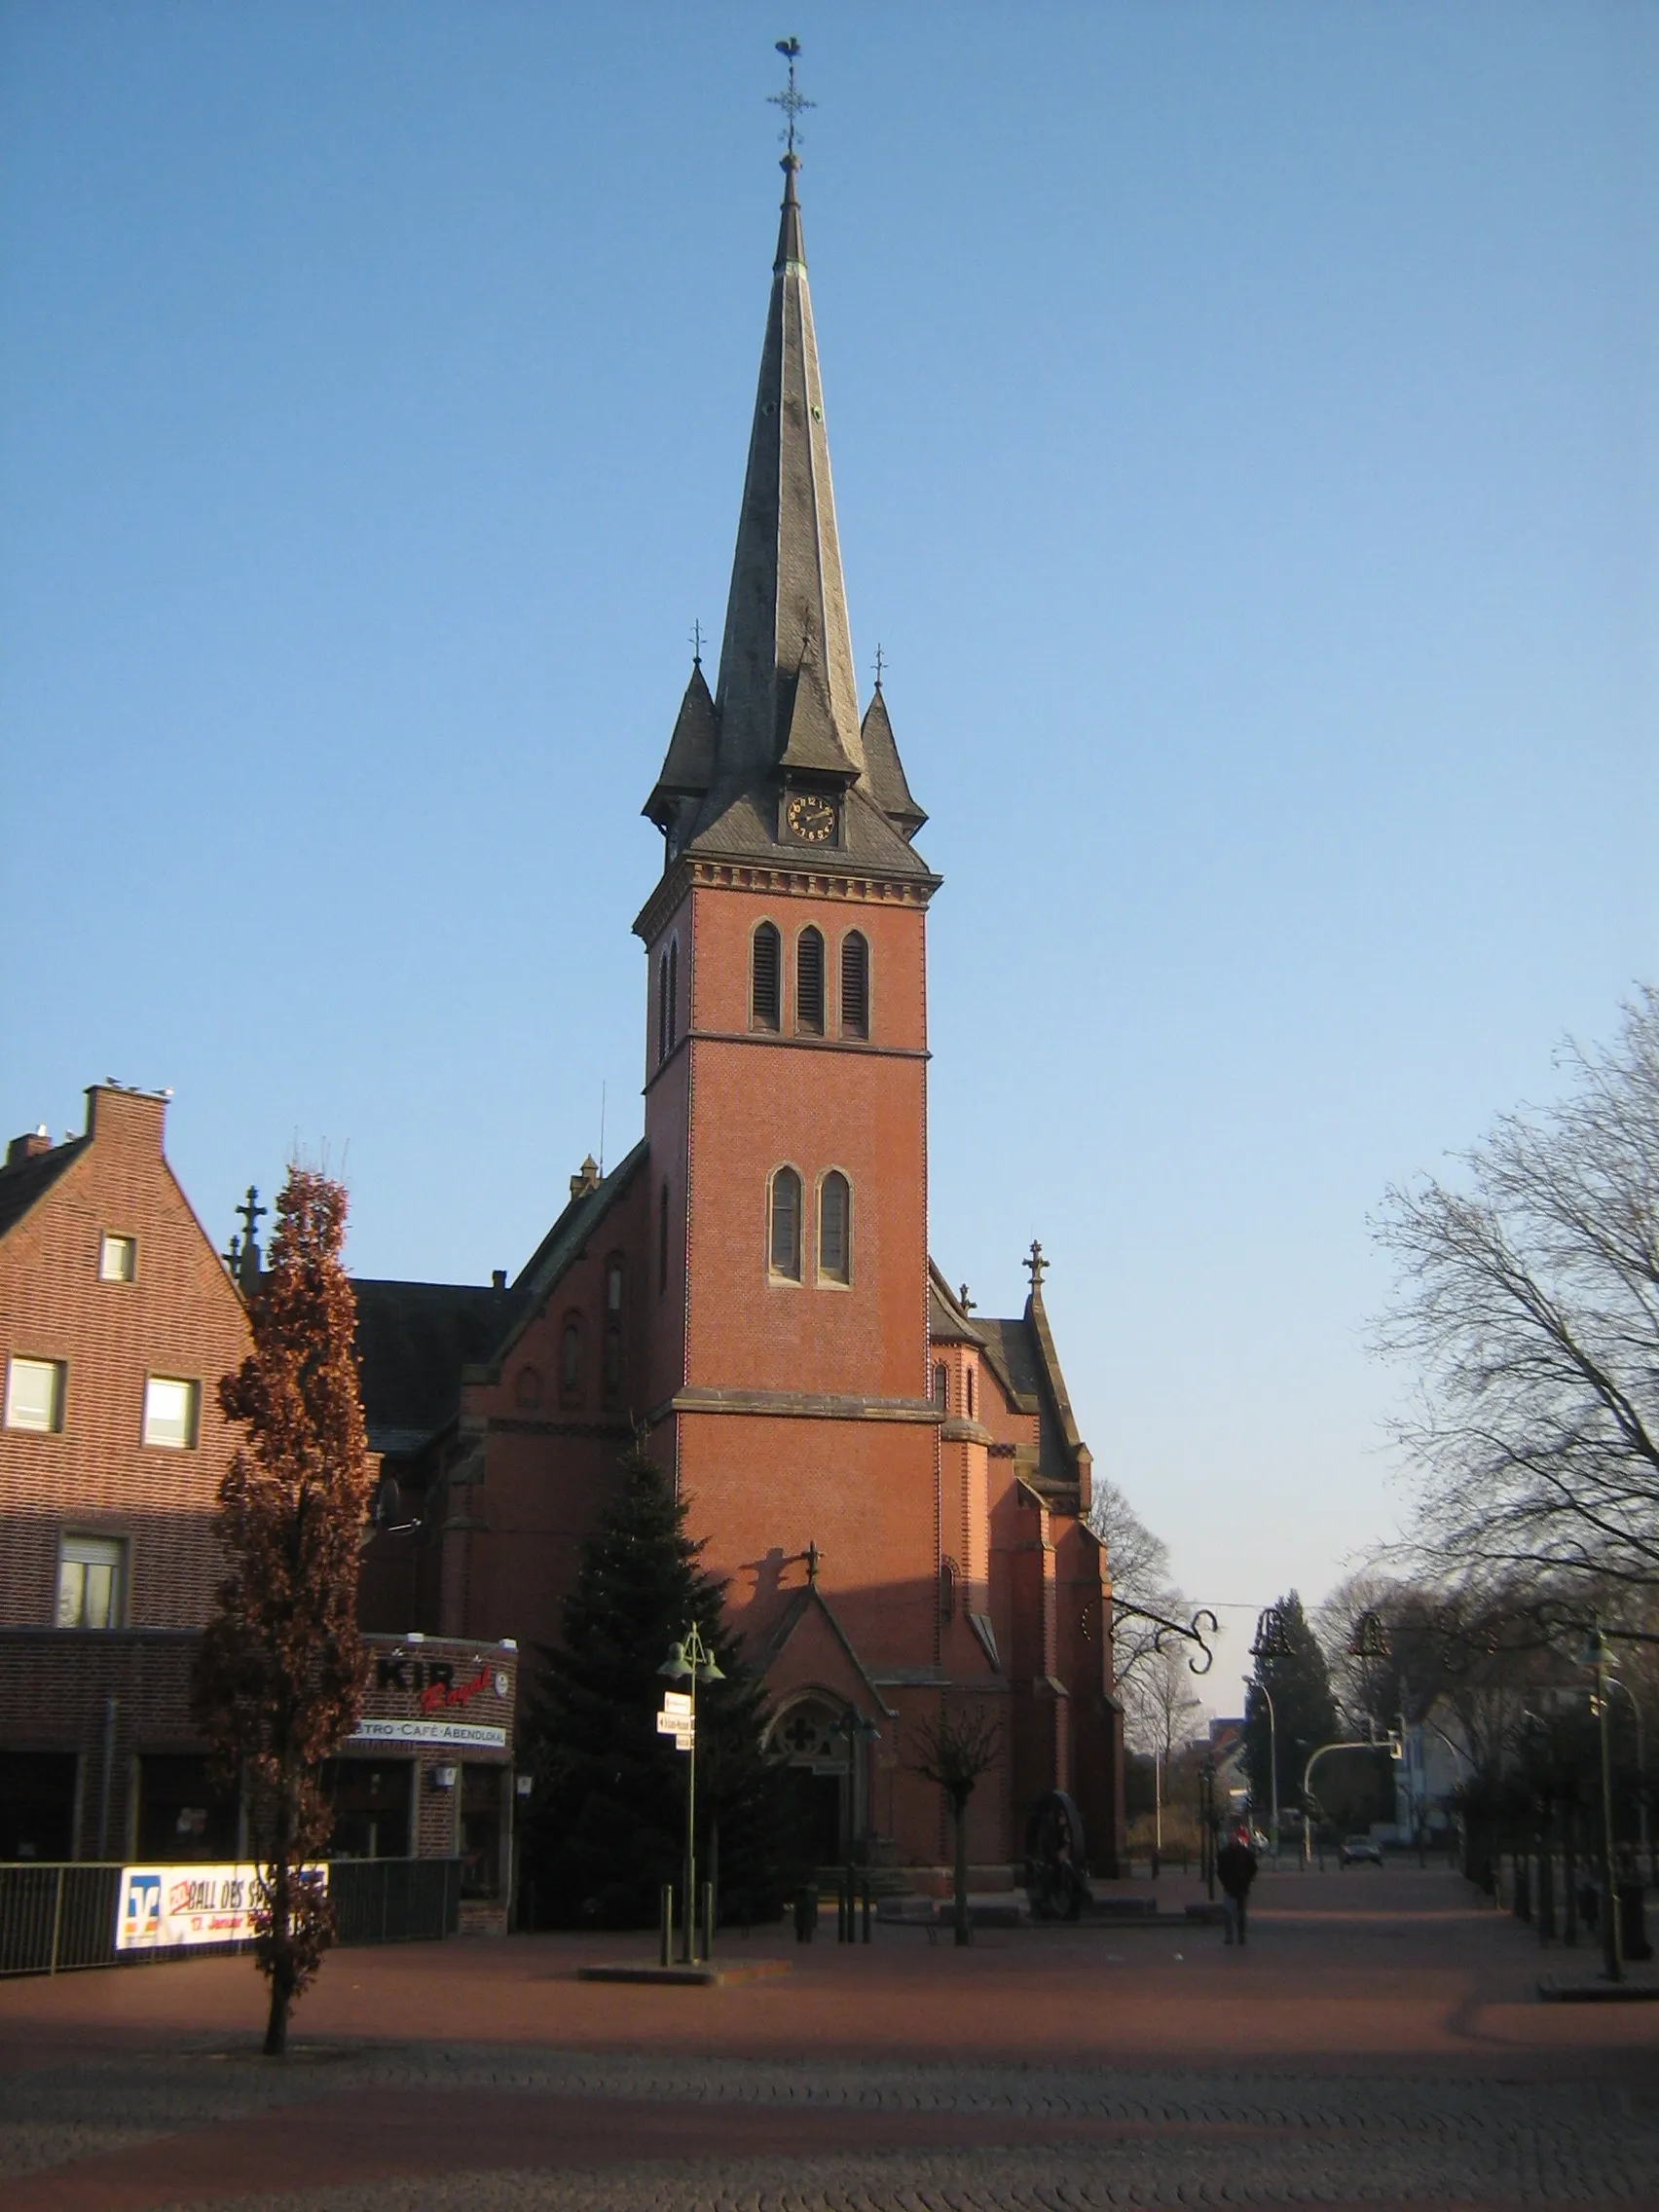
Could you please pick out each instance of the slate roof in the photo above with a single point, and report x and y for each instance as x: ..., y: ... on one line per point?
x: 28, y: 1180
x: 413, y: 1341
x: 415, y: 1337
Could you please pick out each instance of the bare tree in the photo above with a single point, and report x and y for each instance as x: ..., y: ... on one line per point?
x: 1142, y: 1586
x: 955, y: 1750
x: 1528, y: 1300
x: 1160, y: 1707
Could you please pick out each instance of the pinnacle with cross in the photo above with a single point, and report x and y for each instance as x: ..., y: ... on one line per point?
x: 813, y: 1557
x: 251, y: 1213
x: 696, y: 644
x: 791, y: 100
x: 963, y: 1300
x: 1036, y: 1267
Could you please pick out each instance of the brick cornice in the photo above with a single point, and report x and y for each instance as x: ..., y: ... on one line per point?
x: 777, y: 881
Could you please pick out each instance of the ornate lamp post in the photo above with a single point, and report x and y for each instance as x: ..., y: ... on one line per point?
x: 691, y: 1661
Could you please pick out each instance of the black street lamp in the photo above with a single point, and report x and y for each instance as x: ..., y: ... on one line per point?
x: 691, y: 1661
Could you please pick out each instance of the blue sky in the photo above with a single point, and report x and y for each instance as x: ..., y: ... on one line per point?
x: 1246, y: 443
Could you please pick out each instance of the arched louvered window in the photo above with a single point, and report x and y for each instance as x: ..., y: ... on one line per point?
x: 948, y: 1589
x: 570, y: 1358
x: 662, y: 1010
x: 612, y: 1369
x: 941, y: 1388
x: 809, y: 982
x: 765, y: 988
x: 836, y: 1228
x: 785, y: 1228
x: 613, y: 1279
x: 968, y: 1392
x: 855, y: 985
x: 673, y: 993
x: 662, y: 1241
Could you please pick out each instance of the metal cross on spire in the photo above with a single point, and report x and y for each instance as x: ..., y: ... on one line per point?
x: 789, y: 99
x: 696, y: 644
x: 880, y: 664
x: 1036, y: 1267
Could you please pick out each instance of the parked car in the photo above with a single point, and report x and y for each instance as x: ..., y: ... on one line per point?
x: 1357, y: 1848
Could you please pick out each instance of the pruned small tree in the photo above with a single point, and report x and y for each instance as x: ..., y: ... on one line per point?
x: 279, y: 1679
x: 955, y: 1750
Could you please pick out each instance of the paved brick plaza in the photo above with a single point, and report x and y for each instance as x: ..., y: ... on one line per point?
x: 1378, y: 2042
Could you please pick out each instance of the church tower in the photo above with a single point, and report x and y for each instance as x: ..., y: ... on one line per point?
x: 786, y: 1092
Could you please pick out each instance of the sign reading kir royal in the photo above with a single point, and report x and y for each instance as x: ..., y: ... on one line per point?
x: 421, y: 1697
x: 160, y: 1906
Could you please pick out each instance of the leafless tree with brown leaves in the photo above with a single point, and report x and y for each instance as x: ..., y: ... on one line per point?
x: 1528, y: 1302
x: 279, y: 1681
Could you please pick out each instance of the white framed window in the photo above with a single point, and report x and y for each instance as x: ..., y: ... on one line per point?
x: 171, y: 1411
x: 34, y: 1395
x: 91, y: 1581
x: 118, y: 1258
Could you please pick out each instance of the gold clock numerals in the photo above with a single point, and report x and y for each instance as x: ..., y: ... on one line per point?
x: 810, y: 818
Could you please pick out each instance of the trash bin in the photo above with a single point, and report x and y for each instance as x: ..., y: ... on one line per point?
x: 806, y: 1912
x: 1632, y: 1922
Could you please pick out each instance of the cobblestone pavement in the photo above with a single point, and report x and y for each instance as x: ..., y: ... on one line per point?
x: 1381, y: 2043
x: 593, y: 2133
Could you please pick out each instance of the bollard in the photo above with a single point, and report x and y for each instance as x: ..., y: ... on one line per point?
x: 666, y: 1912
x: 867, y: 1908
x: 707, y: 1900
x: 806, y: 1912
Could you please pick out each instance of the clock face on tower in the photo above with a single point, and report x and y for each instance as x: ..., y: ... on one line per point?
x: 810, y: 817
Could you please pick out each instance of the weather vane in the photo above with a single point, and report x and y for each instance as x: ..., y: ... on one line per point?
x: 789, y: 99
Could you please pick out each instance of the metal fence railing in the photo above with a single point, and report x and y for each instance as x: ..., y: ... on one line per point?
x: 394, y: 1901
x: 58, y: 1918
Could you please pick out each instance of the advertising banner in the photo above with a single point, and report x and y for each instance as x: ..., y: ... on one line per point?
x: 160, y: 1906
x: 460, y: 1733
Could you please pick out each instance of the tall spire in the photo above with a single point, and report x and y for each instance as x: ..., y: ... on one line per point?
x: 784, y: 713
x: 786, y: 679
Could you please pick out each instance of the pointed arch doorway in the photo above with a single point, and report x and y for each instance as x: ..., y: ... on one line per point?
x: 809, y: 1735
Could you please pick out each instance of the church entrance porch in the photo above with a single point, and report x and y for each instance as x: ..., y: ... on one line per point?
x: 829, y: 1823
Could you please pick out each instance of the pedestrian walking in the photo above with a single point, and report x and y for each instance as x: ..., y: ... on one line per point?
x: 1236, y: 1870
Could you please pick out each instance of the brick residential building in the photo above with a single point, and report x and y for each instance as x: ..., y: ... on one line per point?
x: 894, y: 1486
x: 117, y: 1320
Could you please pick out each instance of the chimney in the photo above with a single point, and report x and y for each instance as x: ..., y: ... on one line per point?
x: 498, y: 1278
x: 127, y: 1115
x: 29, y: 1146
x: 586, y: 1178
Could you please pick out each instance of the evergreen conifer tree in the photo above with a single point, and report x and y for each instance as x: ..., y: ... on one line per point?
x: 1299, y: 1685
x: 608, y: 1818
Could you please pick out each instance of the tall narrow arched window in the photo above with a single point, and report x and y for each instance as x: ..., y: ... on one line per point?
x: 855, y: 985
x: 662, y: 1010
x: 662, y: 1241
x: 570, y: 1357
x: 941, y: 1388
x: 809, y: 982
x: 613, y: 1285
x: 835, y: 1229
x: 612, y: 1367
x: 785, y: 1227
x: 673, y: 993
x: 766, y: 984
x: 968, y: 1392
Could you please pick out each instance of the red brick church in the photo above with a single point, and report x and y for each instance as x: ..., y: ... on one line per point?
x: 893, y: 1484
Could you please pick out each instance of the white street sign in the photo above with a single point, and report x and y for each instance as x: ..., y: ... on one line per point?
x: 677, y: 1701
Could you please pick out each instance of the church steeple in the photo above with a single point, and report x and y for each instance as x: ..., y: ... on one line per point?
x: 785, y: 713
x: 785, y: 680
